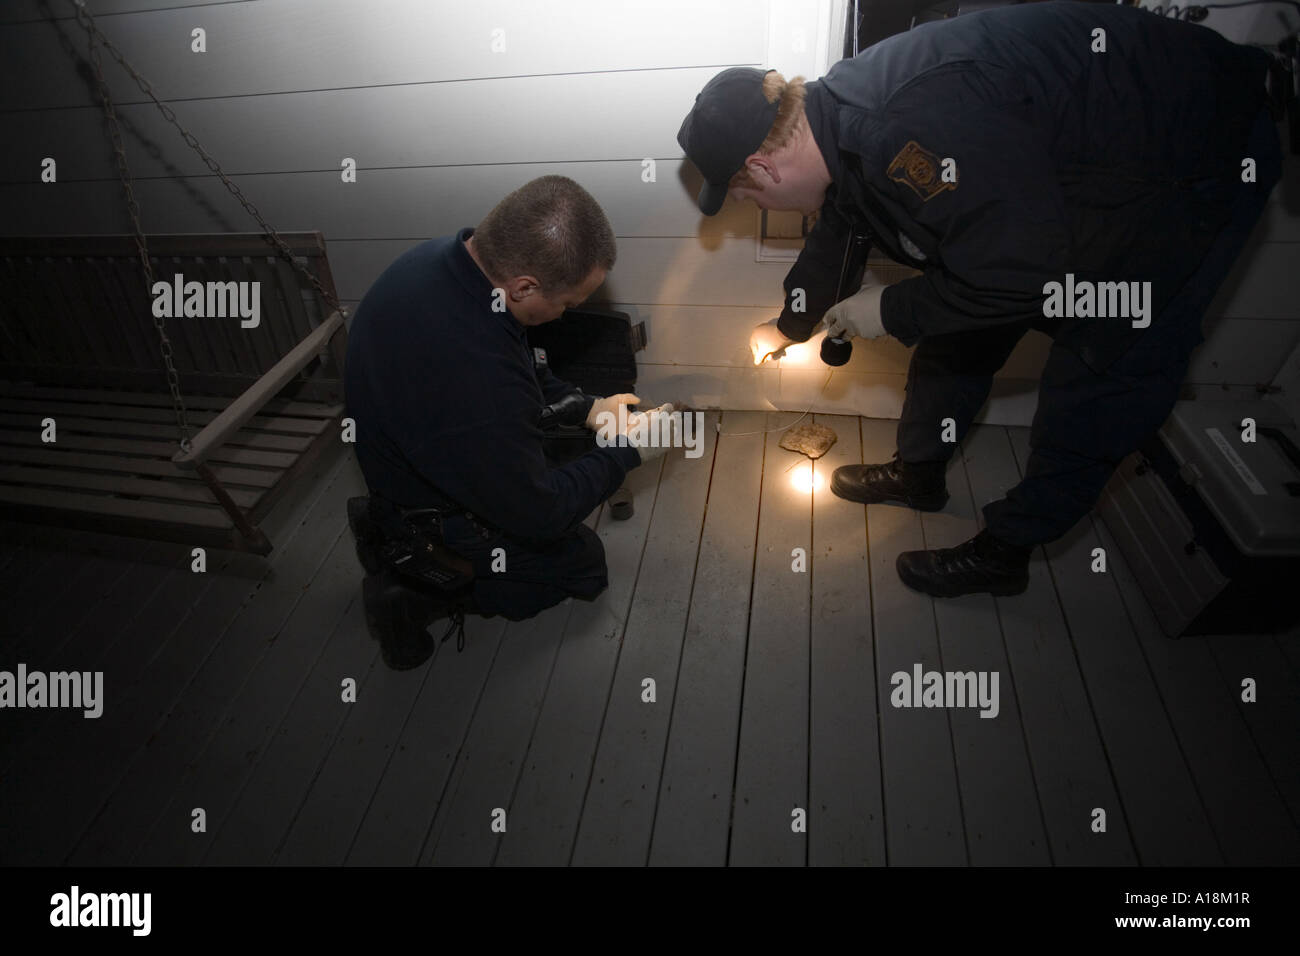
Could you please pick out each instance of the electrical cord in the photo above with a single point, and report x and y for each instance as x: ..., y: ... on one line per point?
x: 764, y: 431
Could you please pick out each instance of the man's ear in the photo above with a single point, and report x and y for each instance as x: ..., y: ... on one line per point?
x: 521, y: 287
x: 763, y: 169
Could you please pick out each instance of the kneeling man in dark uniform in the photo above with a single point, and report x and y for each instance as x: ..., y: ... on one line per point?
x: 466, y: 514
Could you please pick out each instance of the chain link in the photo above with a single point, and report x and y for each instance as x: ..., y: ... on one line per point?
x: 270, y: 235
x: 133, y: 208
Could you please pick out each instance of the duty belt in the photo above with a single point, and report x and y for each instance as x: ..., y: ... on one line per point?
x: 392, y: 516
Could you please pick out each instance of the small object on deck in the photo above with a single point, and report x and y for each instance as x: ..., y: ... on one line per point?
x: 811, y: 440
x: 620, y: 504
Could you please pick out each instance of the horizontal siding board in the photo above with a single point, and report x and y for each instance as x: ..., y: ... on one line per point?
x: 667, y: 271
x: 24, y: 11
x: 381, y: 204
x: 681, y: 272
x: 389, y: 43
x: 627, y: 115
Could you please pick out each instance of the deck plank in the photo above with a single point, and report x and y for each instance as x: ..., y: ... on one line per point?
x: 223, y: 763
x: 488, y: 765
x: 327, y: 822
x: 1066, y: 753
x: 222, y: 691
x: 91, y: 572
x: 1158, y: 798
x: 94, y: 754
x: 1274, y: 717
x: 1001, y: 810
x: 122, y: 591
x: 695, y: 788
x: 923, y: 813
x: 286, y: 769
x: 16, y: 538
x: 1288, y: 642
x: 43, y: 550
x: 237, y: 637
x: 1245, y: 808
x: 618, y: 813
x: 414, y: 783
x: 547, y: 801
x: 845, y: 792
x: 174, y: 633
x: 770, y: 807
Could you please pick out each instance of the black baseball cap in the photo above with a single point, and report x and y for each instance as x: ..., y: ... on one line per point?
x: 729, y: 121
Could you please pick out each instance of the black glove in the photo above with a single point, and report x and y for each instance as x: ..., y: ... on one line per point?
x: 572, y: 409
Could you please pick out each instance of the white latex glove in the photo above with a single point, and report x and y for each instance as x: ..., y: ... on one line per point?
x: 858, y: 315
x: 610, y: 404
x: 659, y: 431
x: 651, y: 432
x: 767, y: 341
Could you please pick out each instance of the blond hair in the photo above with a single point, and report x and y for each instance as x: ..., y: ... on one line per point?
x: 789, y: 114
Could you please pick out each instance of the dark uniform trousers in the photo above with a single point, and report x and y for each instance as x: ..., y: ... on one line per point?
x: 1087, y: 421
x: 536, y: 574
x: 514, y: 577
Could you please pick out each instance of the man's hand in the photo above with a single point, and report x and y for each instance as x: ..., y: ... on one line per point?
x: 570, y: 410
x: 767, y: 341
x: 859, y: 314
x: 655, y: 433
x: 651, y: 432
x: 611, y: 405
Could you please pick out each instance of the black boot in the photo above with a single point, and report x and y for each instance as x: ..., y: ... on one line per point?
x: 365, y: 534
x: 983, y: 563
x: 921, y: 485
x: 399, y: 617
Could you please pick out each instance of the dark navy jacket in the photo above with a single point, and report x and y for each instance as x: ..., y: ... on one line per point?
x: 1115, y: 166
x: 446, y: 400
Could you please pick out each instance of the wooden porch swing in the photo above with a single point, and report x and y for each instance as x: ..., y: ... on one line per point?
x: 75, y: 348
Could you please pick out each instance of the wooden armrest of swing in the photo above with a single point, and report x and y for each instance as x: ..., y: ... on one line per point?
x: 237, y: 414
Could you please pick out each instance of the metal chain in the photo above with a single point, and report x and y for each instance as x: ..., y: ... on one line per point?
x: 133, y: 208
x: 271, y: 235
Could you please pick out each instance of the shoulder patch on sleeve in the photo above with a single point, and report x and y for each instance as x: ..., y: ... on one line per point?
x: 918, y: 168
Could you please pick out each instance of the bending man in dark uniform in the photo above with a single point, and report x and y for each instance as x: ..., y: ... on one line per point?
x: 449, y: 409
x: 1093, y: 147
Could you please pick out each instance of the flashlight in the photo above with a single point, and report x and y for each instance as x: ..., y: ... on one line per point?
x: 837, y: 351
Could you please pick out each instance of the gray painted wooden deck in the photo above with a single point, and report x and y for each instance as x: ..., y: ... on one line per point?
x: 772, y: 696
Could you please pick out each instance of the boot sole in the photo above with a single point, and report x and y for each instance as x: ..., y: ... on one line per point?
x: 916, y: 502
x: 1000, y: 590
x: 383, y: 624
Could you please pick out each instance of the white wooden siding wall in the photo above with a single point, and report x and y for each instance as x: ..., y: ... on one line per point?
x: 441, y: 128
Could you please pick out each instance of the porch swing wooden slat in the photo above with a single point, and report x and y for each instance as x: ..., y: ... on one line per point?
x: 79, y: 346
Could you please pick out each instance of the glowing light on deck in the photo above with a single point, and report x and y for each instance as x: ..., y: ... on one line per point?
x: 805, y: 479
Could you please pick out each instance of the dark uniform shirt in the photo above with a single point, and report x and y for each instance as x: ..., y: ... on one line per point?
x: 1114, y: 166
x: 446, y: 400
